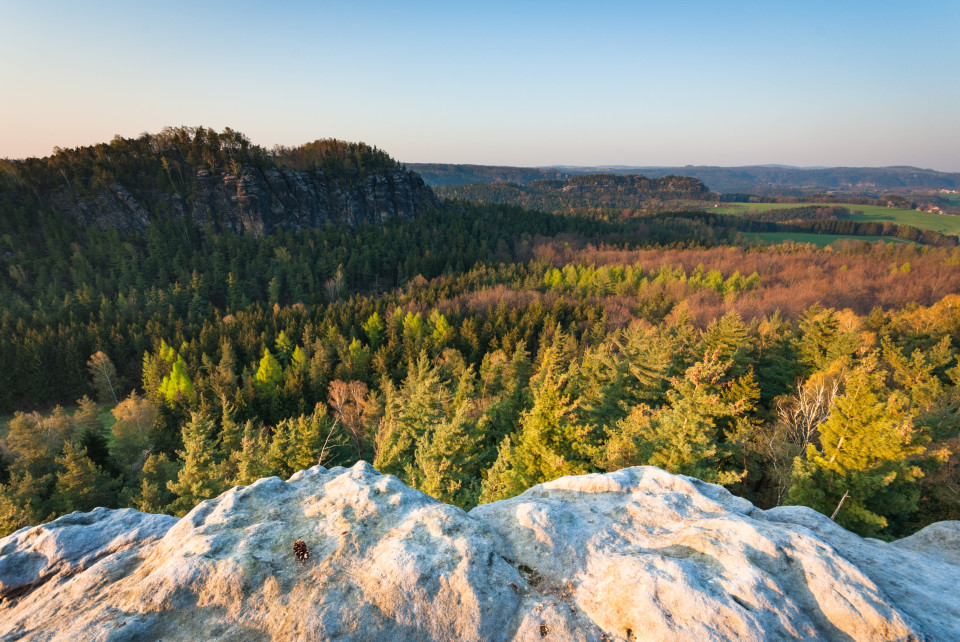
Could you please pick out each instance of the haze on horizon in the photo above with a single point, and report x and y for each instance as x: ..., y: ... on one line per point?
x: 846, y: 83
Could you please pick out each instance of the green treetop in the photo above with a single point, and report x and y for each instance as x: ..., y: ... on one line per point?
x: 868, y: 454
x: 270, y: 374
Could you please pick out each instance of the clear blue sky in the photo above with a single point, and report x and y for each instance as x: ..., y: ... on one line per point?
x: 516, y: 83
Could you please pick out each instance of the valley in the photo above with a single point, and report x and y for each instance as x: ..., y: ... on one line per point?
x: 471, y: 347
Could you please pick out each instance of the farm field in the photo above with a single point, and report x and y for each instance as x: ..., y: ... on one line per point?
x: 821, y: 240
x: 943, y: 223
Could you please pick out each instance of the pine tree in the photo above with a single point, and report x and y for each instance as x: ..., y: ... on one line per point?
x: 201, y: 476
x: 373, y: 327
x: 683, y: 436
x: 868, y: 454
x: 270, y: 374
x: 550, y: 443
x: 153, y: 494
x: 23, y: 501
x: 250, y: 461
x: 446, y: 460
x: 409, y: 413
x: 81, y: 484
x: 178, y: 383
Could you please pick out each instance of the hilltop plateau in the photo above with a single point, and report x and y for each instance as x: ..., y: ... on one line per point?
x: 217, y: 179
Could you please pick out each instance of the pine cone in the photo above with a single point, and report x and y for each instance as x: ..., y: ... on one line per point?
x: 300, y: 551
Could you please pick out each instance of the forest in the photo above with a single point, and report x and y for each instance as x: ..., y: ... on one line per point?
x: 588, y: 191
x: 473, y: 351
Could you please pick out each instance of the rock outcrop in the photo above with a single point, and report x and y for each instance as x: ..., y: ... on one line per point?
x: 635, y: 554
x: 258, y: 201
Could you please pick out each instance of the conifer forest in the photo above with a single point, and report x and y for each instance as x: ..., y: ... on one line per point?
x: 473, y: 348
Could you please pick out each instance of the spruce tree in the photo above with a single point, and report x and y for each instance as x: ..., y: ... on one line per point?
x: 284, y: 346
x: 821, y: 341
x: 408, y: 414
x: 81, y: 484
x: 230, y: 431
x: 868, y: 454
x: 250, y: 462
x: 727, y: 337
x: 446, y: 460
x: 550, y: 442
x: 153, y: 494
x: 201, y: 476
x: 177, y: 383
x: 24, y: 501
x: 269, y: 374
x: 682, y: 437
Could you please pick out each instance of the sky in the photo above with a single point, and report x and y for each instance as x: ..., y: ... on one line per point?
x: 809, y: 82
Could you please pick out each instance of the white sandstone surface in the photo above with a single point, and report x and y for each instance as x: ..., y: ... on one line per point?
x: 636, y: 554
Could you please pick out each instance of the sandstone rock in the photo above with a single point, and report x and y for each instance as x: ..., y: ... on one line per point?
x: 72, y: 543
x: 636, y: 554
x: 260, y: 201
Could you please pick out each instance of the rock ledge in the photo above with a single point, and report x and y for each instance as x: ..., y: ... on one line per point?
x: 635, y: 554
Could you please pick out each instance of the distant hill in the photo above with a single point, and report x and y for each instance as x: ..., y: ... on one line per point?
x: 435, y: 174
x: 771, y: 180
x: 588, y: 191
x: 214, y: 178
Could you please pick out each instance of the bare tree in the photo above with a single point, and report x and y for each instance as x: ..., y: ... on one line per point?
x: 802, y: 414
x: 350, y: 406
x: 104, y: 376
x: 798, y: 419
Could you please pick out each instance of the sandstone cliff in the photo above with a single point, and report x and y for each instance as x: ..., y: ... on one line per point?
x: 258, y: 201
x: 216, y: 178
x: 635, y: 554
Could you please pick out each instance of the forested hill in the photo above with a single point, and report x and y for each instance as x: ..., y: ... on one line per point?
x: 780, y: 180
x: 449, y: 174
x: 213, y: 178
x: 590, y: 191
x: 755, y: 179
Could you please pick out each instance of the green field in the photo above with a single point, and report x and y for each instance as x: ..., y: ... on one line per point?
x: 943, y: 223
x: 821, y: 240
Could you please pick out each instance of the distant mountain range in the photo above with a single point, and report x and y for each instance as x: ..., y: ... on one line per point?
x: 780, y: 180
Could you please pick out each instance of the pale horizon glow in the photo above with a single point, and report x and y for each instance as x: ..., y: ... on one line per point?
x: 845, y: 83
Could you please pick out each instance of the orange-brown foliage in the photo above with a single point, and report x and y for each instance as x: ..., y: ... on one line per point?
x: 793, y: 278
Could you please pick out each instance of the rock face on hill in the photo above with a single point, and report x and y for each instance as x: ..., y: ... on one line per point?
x: 635, y: 554
x: 258, y: 201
